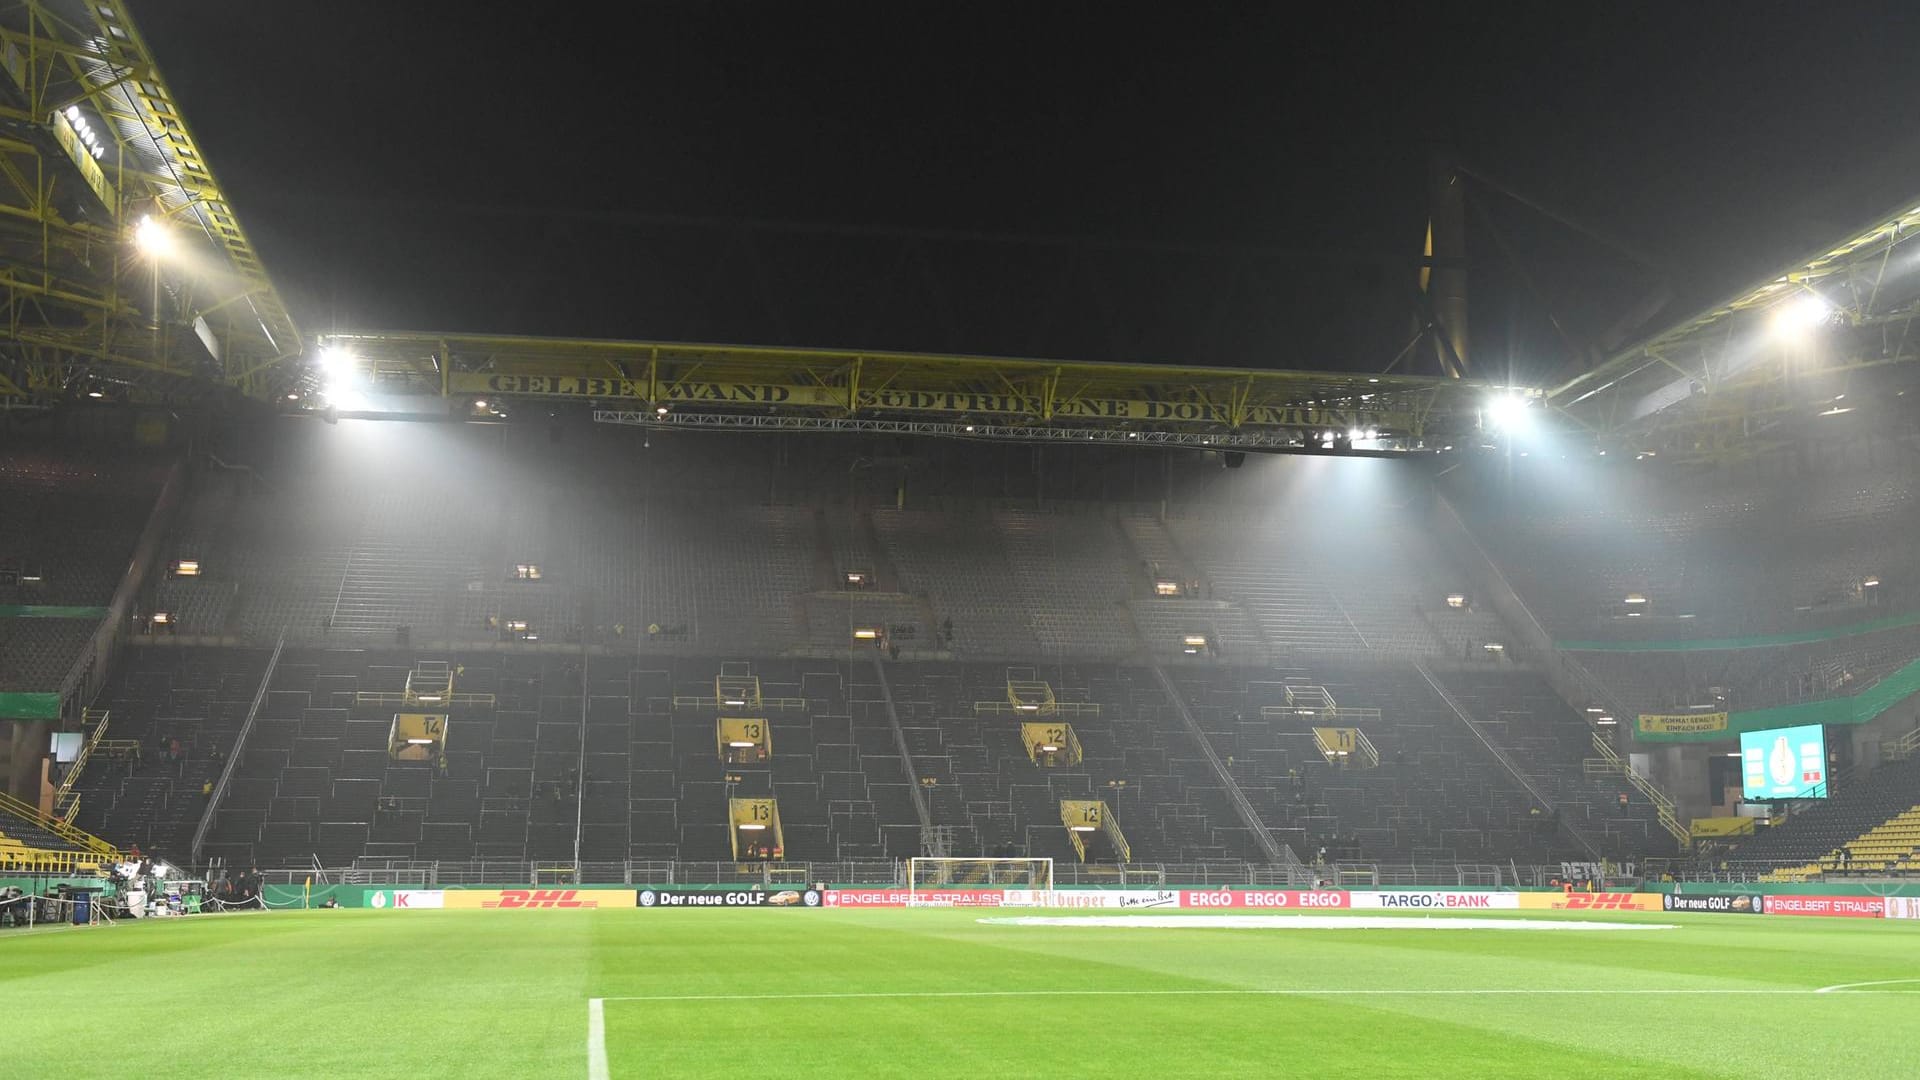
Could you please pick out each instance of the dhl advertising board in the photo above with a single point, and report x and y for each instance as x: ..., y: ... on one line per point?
x: 536, y: 899
x: 1597, y: 901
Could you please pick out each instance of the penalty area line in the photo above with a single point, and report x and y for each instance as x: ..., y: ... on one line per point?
x: 1876, y: 982
x: 1224, y: 992
x: 596, y: 1039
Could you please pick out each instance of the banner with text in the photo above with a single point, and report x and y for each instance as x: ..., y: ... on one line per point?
x: 899, y: 898
x: 1902, y: 907
x: 1724, y: 905
x: 1266, y: 899
x: 1585, y: 901
x: 1105, y: 899
x: 1848, y: 907
x: 728, y: 898
x: 1432, y: 900
x: 532, y: 899
x: 406, y: 899
x: 1696, y: 724
x: 617, y: 390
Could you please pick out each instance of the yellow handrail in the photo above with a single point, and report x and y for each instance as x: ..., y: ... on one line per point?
x: 1662, y: 806
x: 77, y: 837
x: 42, y: 861
x: 98, y: 717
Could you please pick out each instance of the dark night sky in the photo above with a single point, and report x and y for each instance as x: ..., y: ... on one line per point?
x: 1249, y: 174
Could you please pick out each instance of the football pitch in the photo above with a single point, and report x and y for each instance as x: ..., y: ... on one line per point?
x: 633, y: 993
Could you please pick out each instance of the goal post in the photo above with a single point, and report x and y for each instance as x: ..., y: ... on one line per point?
x: 945, y: 882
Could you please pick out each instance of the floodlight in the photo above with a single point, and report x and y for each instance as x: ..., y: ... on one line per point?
x: 736, y: 701
x: 1870, y: 583
x: 95, y: 394
x: 73, y: 112
x: 1081, y: 828
x: 480, y: 404
x: 153, y: 238
x: 864, y: 634
x: 344, y: 398
x: 742, y: 744
x: 1049, y: 748
x: 1508, y: 413
x: 1800, y: 315
x: 751, y: 826
x: 336, y: 363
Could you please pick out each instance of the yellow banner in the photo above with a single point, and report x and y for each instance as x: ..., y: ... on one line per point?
x: 1721, y: 826
x: 1586, y: 901
x: 1682, y: 723
x: 616, y: 388
x: 537, y: 899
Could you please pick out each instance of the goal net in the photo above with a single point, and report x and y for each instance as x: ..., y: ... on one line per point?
x: 947, y: 882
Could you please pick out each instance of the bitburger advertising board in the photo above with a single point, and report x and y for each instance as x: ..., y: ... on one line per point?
x: 655, y: 899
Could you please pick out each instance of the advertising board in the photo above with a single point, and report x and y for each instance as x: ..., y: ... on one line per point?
x: 1743, y: 904
x: 1586, y: 901
x: 1849, y: 907
x: 1902, y: 907
x: 536, y: 899
x: 405, y: 899
x: 657, y: 899
x: 1098, y: 899
x: 894, y: 898
x: 1265, y: 899
x: 1437, y: 900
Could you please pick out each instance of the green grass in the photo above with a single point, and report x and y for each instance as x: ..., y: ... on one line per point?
x: 483, y: 993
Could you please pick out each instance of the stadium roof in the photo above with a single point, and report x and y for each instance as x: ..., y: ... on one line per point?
x: 1751, y: 371
x: 736, y: 386
x: 92, y: 142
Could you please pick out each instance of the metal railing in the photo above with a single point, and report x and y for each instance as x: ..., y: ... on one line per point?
x: 233, y: 757
x: 79, y: 838
x: 887, y: 873
x: 62, y: 808
x: 1506, y: 762
x: 1662, y: 805
x: 1276, y: 851
x: 89, y: 670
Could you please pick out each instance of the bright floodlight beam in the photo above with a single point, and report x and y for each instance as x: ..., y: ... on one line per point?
x: 1799, y: 316
x: 1509, y: 413
x: 153, y: 238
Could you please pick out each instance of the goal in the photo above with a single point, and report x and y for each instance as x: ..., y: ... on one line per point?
x: 948, y: 882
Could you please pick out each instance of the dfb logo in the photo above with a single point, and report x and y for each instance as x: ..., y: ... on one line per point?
x: 539, y: 898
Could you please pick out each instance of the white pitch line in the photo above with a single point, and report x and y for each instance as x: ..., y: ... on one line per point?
x: 1284, y: 992
x: 1876, y: 982
x: 596, y: 1039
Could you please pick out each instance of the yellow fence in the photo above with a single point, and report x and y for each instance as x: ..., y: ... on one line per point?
x: 85, y: 841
